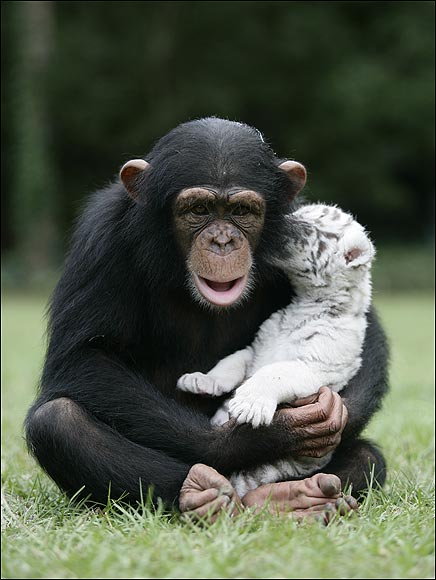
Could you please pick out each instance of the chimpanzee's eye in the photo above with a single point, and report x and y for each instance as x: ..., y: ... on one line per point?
x: 200, y: 209
x: 241, y: 210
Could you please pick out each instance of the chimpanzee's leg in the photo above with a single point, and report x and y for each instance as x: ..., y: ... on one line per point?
x: 358, y: 463
x: 76, y: 451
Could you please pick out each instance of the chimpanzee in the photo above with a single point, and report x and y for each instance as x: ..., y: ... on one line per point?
x: 170, y: 270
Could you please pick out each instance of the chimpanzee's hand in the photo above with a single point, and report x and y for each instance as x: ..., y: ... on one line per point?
x: 316, y: 423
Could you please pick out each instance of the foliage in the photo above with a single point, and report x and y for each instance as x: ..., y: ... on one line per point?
x: 345, y: 87
x: 44, y: 536
x: 403, y: 267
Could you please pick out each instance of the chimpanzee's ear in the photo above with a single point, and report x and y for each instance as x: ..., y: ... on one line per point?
x: 296, y: 173
x: 132, y: 173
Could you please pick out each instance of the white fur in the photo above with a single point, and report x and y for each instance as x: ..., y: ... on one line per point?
x: 315, y: 341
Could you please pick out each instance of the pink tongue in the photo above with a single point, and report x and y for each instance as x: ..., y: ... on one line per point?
x: 220, y: 286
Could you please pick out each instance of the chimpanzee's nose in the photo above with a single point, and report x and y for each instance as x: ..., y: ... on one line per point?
x: 224, y: 239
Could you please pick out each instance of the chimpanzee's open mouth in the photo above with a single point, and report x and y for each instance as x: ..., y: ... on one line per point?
x: 221, y: 293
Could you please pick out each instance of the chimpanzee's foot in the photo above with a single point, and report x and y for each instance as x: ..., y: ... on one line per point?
x: 205, y: 493
x: 316, y: 496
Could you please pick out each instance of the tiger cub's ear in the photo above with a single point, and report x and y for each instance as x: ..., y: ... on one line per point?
x: 357, y: 248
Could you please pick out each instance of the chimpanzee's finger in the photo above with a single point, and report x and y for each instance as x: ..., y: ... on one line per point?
x: 352, y: 502
x: 329, y: 427
x: 209, y: 509
x: 344, y: 416
x: 193, y: 500
x: 305, y: 401
x: 310, y: 415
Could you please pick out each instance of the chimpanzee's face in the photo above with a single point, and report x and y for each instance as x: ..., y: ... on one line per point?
x: 217, y: 232
x: 224, y: 188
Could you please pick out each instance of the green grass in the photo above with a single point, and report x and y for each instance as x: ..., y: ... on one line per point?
x: 45, y: 537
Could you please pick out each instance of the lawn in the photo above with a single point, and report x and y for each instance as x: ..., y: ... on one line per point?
x: 45, y: 537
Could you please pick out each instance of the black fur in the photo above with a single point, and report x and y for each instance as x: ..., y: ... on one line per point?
x: 123, y: 327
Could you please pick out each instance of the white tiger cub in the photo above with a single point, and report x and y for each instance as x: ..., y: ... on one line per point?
x: 315, y: 341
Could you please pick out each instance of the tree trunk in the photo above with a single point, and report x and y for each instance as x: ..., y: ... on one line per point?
x: 32, y: 181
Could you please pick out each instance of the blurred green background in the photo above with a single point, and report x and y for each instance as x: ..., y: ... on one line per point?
x: 347, y: 88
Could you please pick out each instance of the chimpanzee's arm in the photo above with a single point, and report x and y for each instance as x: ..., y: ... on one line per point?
x: 364, y: 393
x: 124, y: 400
